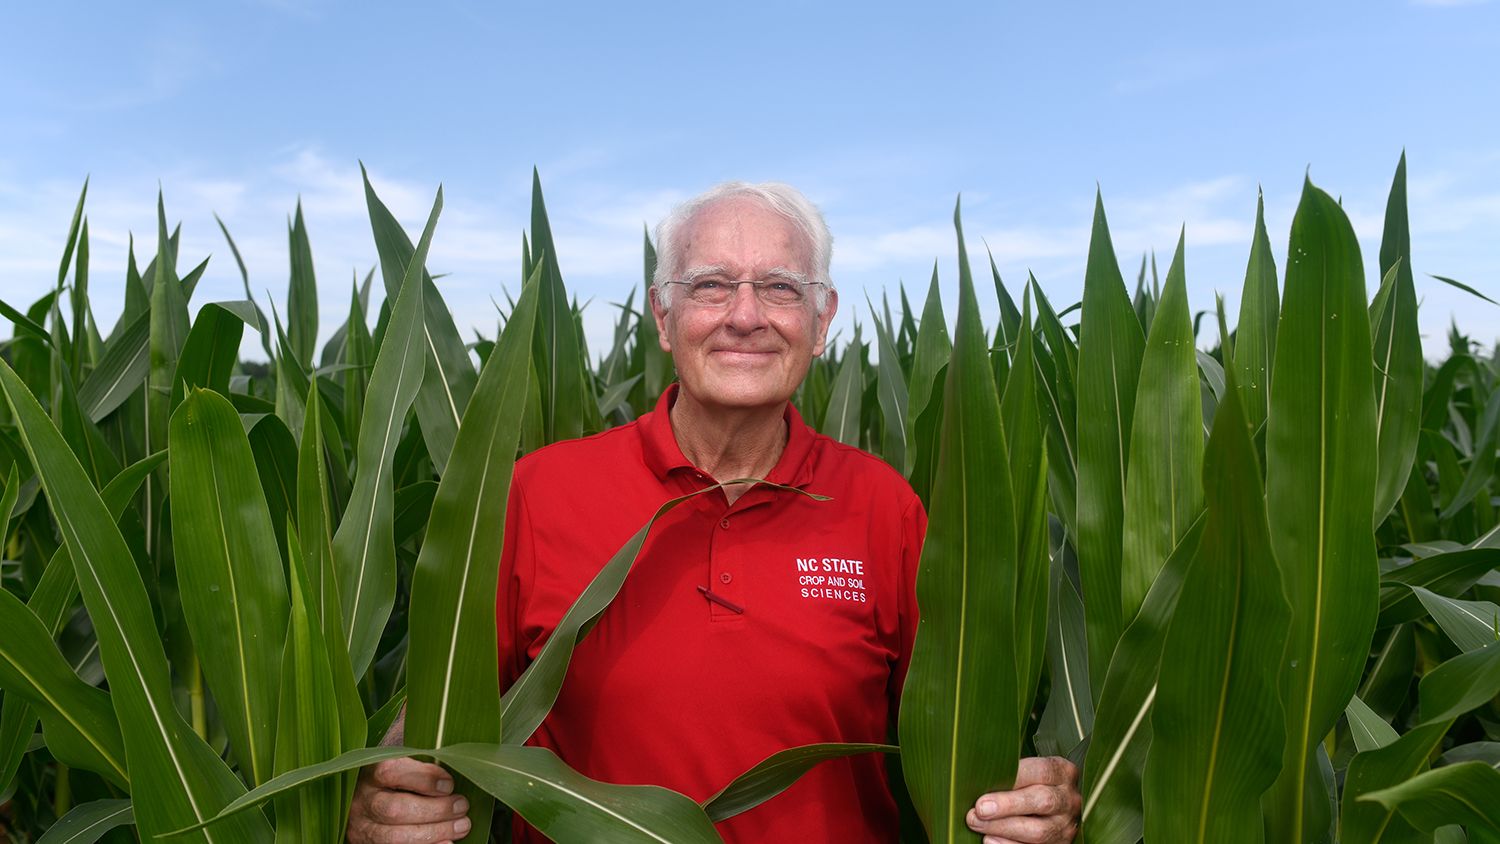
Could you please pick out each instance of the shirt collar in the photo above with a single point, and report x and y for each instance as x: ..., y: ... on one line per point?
x: 663, y: 456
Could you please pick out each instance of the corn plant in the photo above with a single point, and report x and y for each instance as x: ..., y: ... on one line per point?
x: 1250, y: 586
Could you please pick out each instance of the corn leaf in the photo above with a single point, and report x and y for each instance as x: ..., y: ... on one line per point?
x: 655, y: 363
x: 176, y: 778
x: 842, y: 420
x: 1117, y: 751
x: 930, y: 354
x: 1069, y: 714
x: 1110, y: 347
x: 302, y: 291
x: 308, y: 724
x: 561, y: 803
x: 959, y: 726
x: 450, y: 377
x: 1462, y: 793
x: 126, y: 362
x: 78, y: 719
x: 1447, y: 692
x: 776, y: 773
x: 1319, y: 479
x: 1216, y: 724
x: 558, y: 345
x: 88, y: 822
x: 1163, y: 494
x: 1020, y: 416
x: 315, y: 523
x: 1369, y: 730
x: 1260, y: 313
x: 1057, y: 364
x: 892, y: 395
x: 1398, y: 356
x: 212, y: 347
x: 1468, y: 624
x: 363, y: 546
x: 453, y: 680
x: 229, y: 573
x: 1448, y: 574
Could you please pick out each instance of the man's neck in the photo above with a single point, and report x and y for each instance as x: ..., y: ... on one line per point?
x: 729, y: 443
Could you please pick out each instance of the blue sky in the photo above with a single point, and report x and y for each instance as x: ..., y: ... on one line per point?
x: 881, y: 113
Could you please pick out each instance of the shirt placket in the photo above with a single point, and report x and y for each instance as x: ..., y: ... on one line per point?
x: 726, y: 590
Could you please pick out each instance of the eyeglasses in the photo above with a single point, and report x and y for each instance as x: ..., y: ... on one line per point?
x: 775, y: 292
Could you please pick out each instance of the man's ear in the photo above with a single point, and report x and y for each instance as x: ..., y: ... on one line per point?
x: 824, y: 320
x: 659, y: 314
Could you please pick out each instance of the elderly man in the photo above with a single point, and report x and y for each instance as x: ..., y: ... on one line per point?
x: 729, y: 641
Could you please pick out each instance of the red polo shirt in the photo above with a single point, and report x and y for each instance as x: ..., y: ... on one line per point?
x: 809, y: 643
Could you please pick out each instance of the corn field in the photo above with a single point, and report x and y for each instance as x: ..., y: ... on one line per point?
x: 1252, y: 588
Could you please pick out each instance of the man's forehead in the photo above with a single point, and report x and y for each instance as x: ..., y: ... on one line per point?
x: 744, y: 221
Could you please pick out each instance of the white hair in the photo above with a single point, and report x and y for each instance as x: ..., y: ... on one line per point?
x: 774, y: 196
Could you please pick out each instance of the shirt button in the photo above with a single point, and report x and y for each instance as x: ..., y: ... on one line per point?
x: 724, y: 523
x: 726, y: 577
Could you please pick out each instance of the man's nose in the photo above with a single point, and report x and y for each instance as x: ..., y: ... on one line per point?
x: 746, y: 312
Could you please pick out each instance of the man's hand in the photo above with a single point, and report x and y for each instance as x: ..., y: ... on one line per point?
x: 1041, y: 809
x: 403, y: 801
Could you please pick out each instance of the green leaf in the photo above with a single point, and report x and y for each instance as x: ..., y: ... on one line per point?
x: 776, y: 773
x: 1110, y: 348
x: 363, y: 545
x: 1217, y: 726
x: 1056, y: 368
x: 262, y: 324
x: 78, y: 719
x: 1118, y: 747
x: 1020, y: 415
x: 50, y: 602
x: 176, y: 777
x: 1163, y: 494
x: 1260, y: 313
x: 557, y: 343
x: 212, y: 347
x: 308, y: 714
x: 275, y: 453
x: 302, y: 291
x: 359, y: 354
x: 928, y: 358
x: 1465, y: 288
x: 959, y: 725
x: 1447, y: 692
x: 561, y: 803
x: 842, y: 420
x: 1069, y: 715
x: 1370, y: 731
x: 1482, y: 466
x: 1447, y: 574
x: 1398, y: 356
x: 1388, y: 680
x: 1463, y: 793
x: 126, y: 362
x: 1320, y: 484
x: 450, y: 377
x: 453, y: 677
x: 891, y: 392
x: 88, y: 822
x: 1469, y: 624
x: 229, y: 573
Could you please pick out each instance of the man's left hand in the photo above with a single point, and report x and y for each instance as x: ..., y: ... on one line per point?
x: 1041, y: 809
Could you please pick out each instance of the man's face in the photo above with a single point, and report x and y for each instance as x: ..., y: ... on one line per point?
x: 743, y: 354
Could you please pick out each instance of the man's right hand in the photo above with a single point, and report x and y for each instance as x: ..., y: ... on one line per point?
x: 403, y: 801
